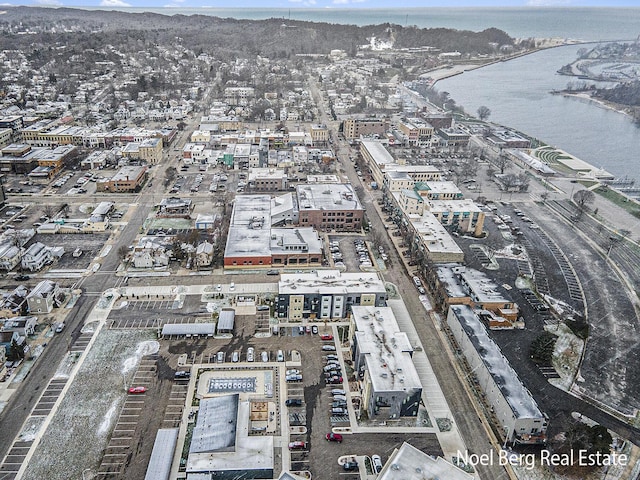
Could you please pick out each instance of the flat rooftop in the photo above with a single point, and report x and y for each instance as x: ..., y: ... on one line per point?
x: 128, y: 173
x: 328, y: 196
x: 330, y: 282
x: 387, y: 350
x: 378, y: 152
x: 519, y: 398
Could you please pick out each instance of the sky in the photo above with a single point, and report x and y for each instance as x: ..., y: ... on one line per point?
x: 335, y: 4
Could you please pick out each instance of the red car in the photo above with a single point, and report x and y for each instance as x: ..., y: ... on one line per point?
x: 326, y: 336
x: 333, y: 437
x: 137, y: 389
x: 297, y: 445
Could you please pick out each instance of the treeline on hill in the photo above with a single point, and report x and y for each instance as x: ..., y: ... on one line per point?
x: 274, y: 37
x: 624, y: 93
x: 627, y: 94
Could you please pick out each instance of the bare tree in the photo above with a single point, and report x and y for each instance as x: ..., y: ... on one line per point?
x: 483, y: 112
x: 502, y: 162
x: 583, y: 198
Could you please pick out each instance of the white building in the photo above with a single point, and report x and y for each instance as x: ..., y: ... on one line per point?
x: 390, y: 384
x: 36, y: 257
x: 409, y: 463
x: 516, y: 413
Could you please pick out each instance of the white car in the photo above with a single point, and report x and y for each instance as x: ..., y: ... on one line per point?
x: 377, y: 463
x: 250, y: 352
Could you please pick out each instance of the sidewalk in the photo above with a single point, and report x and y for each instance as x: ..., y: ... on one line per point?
x: 451, y: 441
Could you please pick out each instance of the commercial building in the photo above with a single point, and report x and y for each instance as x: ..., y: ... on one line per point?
x: 455, y: 284
x: 389, y: 381
x: 410, y: 463
x: 327, y: 294
x: 356, y: 128
x: 148, y: 150
x: 127, y: 180
x: 222, y: 446
x: 267, y: 179
x: 454, y: 137
x: 416, y: 131
x: 514, y: 411
x: 329, y: 207
x: 252, y: 242
x: 175, y: 208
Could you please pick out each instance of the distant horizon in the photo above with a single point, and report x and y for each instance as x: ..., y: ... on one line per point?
x: 325, y: 4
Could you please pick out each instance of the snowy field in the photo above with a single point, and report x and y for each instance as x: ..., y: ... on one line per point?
x: 80, y: 429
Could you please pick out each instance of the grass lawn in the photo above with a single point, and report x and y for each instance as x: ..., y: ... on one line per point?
x: 630, y: 206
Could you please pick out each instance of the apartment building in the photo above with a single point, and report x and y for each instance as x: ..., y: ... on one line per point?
x: 327, y: 294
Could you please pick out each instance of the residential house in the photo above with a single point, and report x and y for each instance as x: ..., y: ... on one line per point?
x: 23, y: 326
x: 14, y: 303
x: 204, y: 254
x: 36, y: 257
x: 42, y: 298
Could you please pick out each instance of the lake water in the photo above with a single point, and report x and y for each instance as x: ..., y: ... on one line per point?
x: 517, y: 93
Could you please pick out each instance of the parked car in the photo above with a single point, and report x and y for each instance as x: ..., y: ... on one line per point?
x: 326, y: 336
x: 329, y: 348
x: 22, y: 278
x: 137, y: 390
x: 235, y: 357
x: 314, y: 329
x: 332, y: 357
x: 280, y: 356
x: 182, y: 374
x: 377, y: 463
x: 293, y: 402
x: 220, y: 357
x: 338, y: 391
x: 334, y: 380
x: 339, y: 404
x: 297, y: 445
x: 333, y: 437
x: 265, y: 356
x: 60, y: 327
x: 293, y: 378
x: 293, y: 371
x: 349, y: 466
x: 273, y: 272
x: 250, y: 354
x: 339, y: 398
x: 338, y: 410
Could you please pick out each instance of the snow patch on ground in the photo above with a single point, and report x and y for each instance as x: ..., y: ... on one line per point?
x: 566, y: 355
x: 65, y: 367
x: 212, y: 307
x: 31, y: 428
x: 90, y: 327
x: 109, y: 417
x: 144, y: 348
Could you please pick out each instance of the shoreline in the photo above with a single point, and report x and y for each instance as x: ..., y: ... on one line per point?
x: 448, y: 71
x: 601, y: 103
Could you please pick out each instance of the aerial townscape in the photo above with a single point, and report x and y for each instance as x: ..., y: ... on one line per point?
x: 275, y: 249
